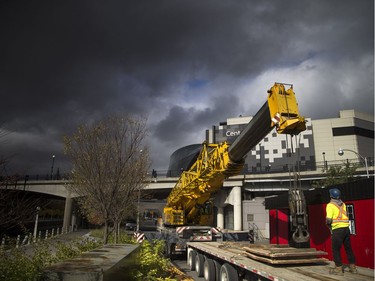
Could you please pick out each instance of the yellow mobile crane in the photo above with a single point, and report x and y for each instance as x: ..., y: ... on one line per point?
x: 188, y: 202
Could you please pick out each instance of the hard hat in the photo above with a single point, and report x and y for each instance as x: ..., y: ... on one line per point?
x: 335, y: 193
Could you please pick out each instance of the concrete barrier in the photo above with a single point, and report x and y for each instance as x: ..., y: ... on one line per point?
x: 108, y: 263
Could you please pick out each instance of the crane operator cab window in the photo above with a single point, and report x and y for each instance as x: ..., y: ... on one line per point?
x: 206, y: 213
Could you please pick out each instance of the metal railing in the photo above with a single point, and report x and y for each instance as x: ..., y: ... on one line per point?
x: 320, y: 166
x: 255, y: 234
x: 27, y: 239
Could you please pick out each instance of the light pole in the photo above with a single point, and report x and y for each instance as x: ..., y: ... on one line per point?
x: 36, y: 222
x: 324, y: 161
x: 341, y: 153
x: 260, y: 157
x: 139, y: 199
x: 53, y: 162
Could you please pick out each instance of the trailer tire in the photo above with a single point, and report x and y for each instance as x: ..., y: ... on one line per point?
x: 217, y: 270
x: 191, y: 259
x: 199, y: 264
x: 228, y: 273
x: 209, y: 270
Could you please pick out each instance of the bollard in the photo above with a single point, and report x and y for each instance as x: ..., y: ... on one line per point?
x: 24, y: 241
x: 52, y: 232
x: 3, y: 243
x: 18, y: 241
x: 40, y: 235
x: 29, y: 241
x: 46, y: 237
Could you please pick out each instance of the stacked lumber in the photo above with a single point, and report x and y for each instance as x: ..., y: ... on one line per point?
x: 283, y: 254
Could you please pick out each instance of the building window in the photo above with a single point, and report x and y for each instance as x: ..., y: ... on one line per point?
x: 350, y: 213
x: 275, y: 151
x: 283, y: 144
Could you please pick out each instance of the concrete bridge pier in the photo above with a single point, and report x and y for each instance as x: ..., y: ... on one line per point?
x: 67, y: 213
x: 229, y: 197
x: 220, y: 217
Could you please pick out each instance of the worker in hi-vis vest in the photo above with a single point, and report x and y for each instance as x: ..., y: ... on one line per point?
x: 338, y: 222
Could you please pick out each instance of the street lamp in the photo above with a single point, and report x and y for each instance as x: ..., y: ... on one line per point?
x: 53, y: 162
x: 260, y: 157
x: 324, y: 161
x: 36, y: 223
x: 341, y: 153
x: 139, y: 199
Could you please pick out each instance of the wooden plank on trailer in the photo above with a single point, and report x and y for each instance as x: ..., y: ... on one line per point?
x: 291, y: 252
x: 287, y: 261
x: 323, y: 274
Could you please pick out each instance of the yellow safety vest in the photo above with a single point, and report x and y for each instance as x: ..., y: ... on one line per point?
x: 338, y: 215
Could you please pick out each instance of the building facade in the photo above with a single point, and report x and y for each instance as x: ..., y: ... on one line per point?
x: 311, y: 149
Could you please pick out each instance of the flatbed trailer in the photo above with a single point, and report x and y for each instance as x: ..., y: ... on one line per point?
x: 211, y: 259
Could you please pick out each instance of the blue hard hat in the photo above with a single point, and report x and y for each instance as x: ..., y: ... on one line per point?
x: 334, y: 193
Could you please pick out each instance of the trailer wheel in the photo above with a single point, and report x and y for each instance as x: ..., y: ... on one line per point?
x: 199, y: 264
x: 191, y: 259
x: 228, y: 273
x: 209, y: 271
x: 217, y: 269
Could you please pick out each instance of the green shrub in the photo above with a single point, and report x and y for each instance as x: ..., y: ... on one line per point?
x: 18, y: 265
x: 152, y: 265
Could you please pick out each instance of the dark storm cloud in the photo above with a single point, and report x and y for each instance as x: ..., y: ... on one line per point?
x: 185, y: 64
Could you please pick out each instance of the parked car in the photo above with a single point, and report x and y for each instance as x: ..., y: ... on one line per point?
x: 131, y: 225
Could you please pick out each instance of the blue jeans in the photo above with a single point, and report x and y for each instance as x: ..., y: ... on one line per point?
x: 341, y: 236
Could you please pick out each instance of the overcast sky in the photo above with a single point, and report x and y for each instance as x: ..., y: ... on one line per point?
x: 185, y: 65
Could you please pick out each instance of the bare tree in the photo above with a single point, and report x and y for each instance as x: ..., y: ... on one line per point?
x: 110, y: 161
x: 17, y: 207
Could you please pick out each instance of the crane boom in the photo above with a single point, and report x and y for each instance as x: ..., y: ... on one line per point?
x: 216, y: 162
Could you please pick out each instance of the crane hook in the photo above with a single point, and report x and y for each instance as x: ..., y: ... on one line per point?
x: 301, y: 235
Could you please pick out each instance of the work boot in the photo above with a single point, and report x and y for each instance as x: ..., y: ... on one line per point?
x: 337, y: 270
x: 353, y: 269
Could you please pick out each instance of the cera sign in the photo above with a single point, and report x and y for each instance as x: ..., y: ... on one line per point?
x: 232, y: 134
